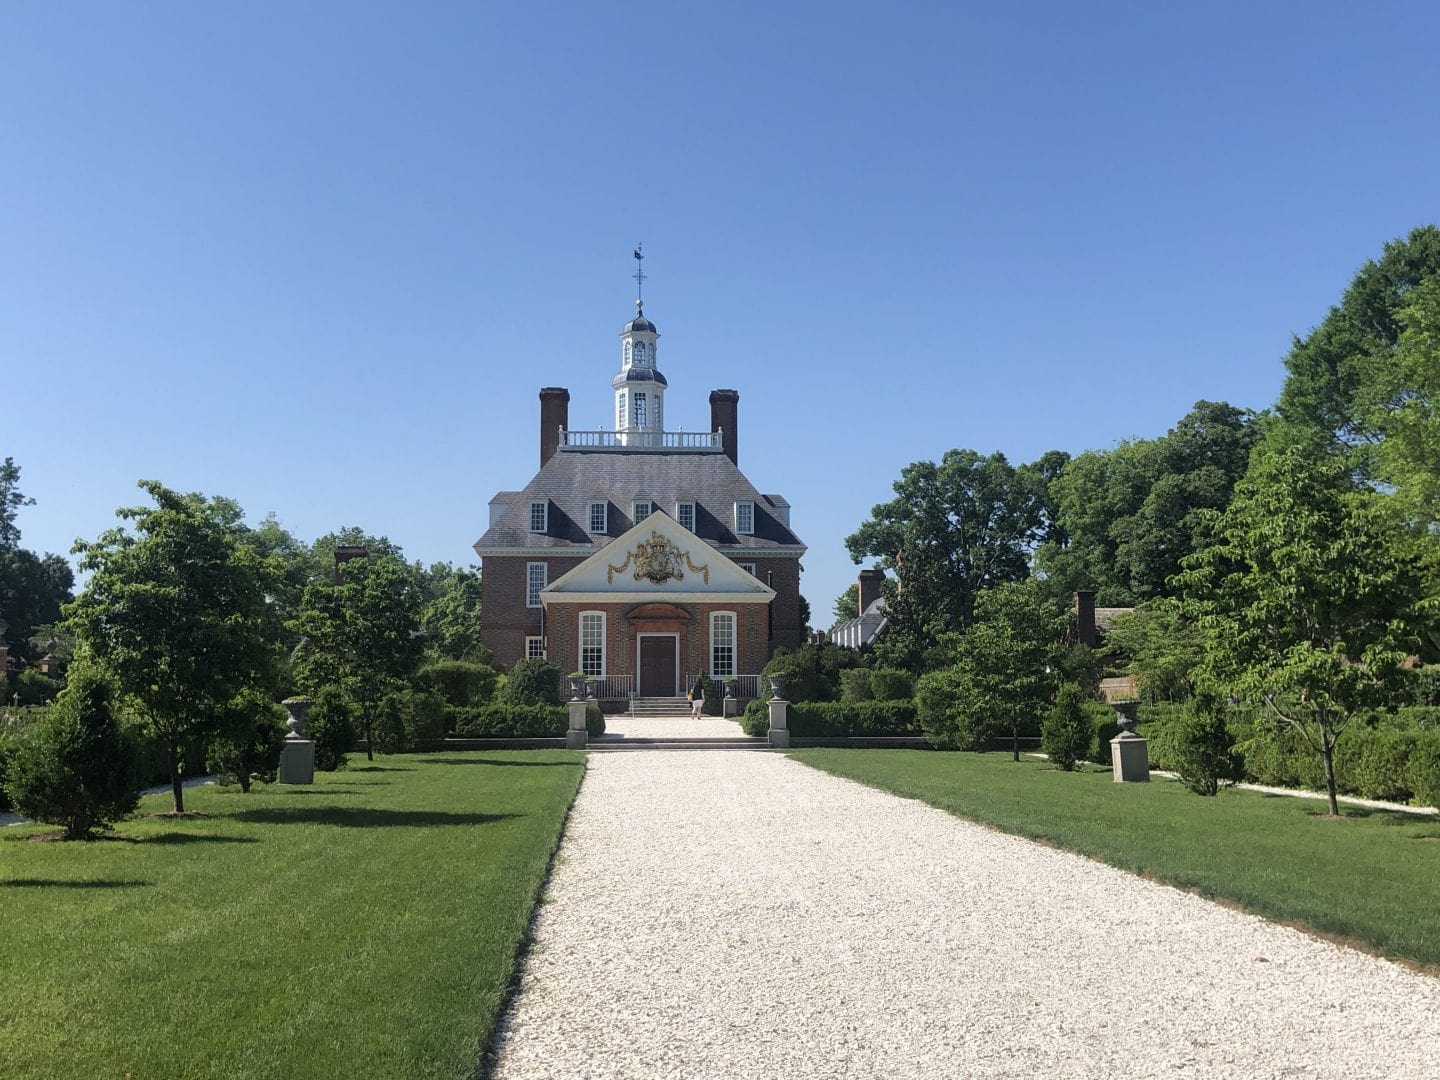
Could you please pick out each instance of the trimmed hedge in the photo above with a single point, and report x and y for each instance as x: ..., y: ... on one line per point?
x: 836, y: 719
x: 524, y: 721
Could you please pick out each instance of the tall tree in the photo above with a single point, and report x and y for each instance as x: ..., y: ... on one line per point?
x: 32, y: 587
x: 847, y: 604
x: 11, y: 499
x: 175, y: 609
x: 451, y: 615
x: 953, y: 530
x: 1306, y: 602
x: 361, y: 634
x: 1407, y: 411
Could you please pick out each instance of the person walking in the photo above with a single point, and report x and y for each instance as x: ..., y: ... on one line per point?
x: 697, y: 698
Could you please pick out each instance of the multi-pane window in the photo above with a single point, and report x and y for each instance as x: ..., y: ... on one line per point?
x: 685, y: 515
x: 539, y: 516
x: 620, y: 412
x: 748, y: 567
x: 534, y: 648
x: 641, y: 354
x: 625, y: 363
x: 639, y: 408
x: 722, y: 643
x: 534, y: 581
x: 598, y: 517
x: 592, y: 643
x: 643, y: 510
x: 744, y: 517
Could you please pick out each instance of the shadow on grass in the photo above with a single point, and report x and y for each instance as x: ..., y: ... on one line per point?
x: 54, y: 883
x: 496, y: 761
x: 355, y: 818
x: 291, y: 789
x: 191, y: 838
x: 376, y: 768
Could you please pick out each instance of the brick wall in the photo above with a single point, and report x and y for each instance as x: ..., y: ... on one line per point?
x: 782, y: 575
x: 505, y: 621
x: 693, y: 631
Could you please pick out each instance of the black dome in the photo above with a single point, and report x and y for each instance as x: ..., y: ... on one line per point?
x: 639, y: 374
x: 640, y: 323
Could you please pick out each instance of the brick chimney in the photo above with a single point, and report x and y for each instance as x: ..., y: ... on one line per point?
x: 725, y: 416
x: 870, y: 583
x: 1085, y: 618
x: 554, y: 415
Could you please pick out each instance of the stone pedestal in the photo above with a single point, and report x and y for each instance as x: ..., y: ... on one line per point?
x: 1130, y: 758
x: 779, y: 724
x: 577, y: 738
x: 297, y: 761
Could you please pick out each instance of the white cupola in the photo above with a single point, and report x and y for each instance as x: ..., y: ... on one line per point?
x: 639, y: 387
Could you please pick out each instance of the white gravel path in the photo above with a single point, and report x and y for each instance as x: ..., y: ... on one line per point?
x: 742, y: 915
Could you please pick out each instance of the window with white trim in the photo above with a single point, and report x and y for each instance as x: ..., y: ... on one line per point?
x: 745, y: 517
x: 625, y: 363
x: 748, y: 567
x: 592, y: 643
x: 643, y: 510
x: 722, y: 643
x: 685, y: 515
x: 534, y: 648
x: 639, y: 408
x: 620, y: 412
x: 599, y: 517
x: 535, y: 577
x: 539, y: 516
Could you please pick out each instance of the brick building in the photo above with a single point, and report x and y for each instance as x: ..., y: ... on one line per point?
x: 640, y: 556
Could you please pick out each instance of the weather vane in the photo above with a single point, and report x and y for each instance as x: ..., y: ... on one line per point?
x: 640, y: 279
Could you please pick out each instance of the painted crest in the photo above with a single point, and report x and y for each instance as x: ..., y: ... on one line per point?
x: 657, y: 561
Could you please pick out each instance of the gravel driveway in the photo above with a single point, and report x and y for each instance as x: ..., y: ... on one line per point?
x: 742, y: 915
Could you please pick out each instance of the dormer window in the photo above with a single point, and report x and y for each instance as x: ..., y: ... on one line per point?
x: 745, y: 518
x: 539, y: 517
x: 643, y: 510
x: 685, y: 515
x: 599, y: 516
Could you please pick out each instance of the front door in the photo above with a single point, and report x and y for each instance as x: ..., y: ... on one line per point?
x: 657, y: 665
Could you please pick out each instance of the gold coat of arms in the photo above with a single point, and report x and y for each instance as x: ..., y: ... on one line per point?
x: 657, y: 561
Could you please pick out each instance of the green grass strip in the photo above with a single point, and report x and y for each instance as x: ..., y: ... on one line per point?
x: 1372, y: 878
x: 367, y: 926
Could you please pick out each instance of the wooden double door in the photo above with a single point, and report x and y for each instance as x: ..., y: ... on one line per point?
x: 659, y: 665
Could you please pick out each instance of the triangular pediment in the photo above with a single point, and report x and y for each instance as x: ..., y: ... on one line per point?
x: 658, y: 560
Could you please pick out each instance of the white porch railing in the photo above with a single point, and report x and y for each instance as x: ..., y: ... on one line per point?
x: 608, y: 687
x: 642, y: 440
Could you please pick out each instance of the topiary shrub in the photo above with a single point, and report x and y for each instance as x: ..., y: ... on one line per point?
x: 1203, y: 749
x: 332, y: 728
x: 594, y: 720
x: 851, y: 719
x: 247, y: 747
x: 1102, y: 718
x: 1067, y: 731
x: 812, y: 672
x: 755, y: 720
x: 501, y: 721
x: 77, y: 768
x: 531, y: 682
x: 1422, y: 771
x: 891, y: 684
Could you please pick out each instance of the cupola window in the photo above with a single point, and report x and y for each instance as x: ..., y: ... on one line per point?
x: 640, y: 408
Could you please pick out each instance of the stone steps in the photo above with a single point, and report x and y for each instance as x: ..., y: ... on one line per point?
x: 607, y: 744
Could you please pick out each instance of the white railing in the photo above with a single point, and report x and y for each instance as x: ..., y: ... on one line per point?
x: 743, y: 687
x: 608, y: 687
x: 642, y: 440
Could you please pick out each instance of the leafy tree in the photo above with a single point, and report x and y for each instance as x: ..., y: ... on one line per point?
x: 32, y: 587
x: 452, y: 618
x: 1306, y: 603
x: 176, y: 611
x: 1066, y: 733
x: 459, y: 683
x: 1159, y: 646
x: 1125, y: 518
x: 250, y: 736
x: 11, y: 499
x: 847, y: 604
x: 331, y: 728
x: 812, y: 672
x: 1342, y: 376
x: 953, y: 530
x: 1202, y: 747
x: 361, y: 634
x: 77, y: 767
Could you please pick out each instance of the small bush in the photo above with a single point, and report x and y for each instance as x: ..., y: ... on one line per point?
x: 409, y: 721
x: 950, y: 711
x: 501, y: 721
x: 459, y: 682
x: 77, y: 768
x: 594, y: 720
x: 530, y: 682
x: 755, y: 720
x: 247, y: 747
x: 332, y: 728
x: 891, y: 684
x: 1067, y: 731
x: 1102, y: 718
x: 1203, y: 748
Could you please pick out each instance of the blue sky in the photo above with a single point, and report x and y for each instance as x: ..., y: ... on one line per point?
x: 320, y: 257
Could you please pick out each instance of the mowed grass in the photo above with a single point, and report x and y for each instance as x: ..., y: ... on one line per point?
x: 364, y: 927
x: 1372, y: 877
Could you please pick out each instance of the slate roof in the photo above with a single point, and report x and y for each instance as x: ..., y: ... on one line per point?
x: 572, y: 479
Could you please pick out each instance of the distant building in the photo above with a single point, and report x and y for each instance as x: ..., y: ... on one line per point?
x: 864, y: 630
x: 640, y: 557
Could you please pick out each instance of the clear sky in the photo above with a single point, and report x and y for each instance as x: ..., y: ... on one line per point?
x: 320, y: 257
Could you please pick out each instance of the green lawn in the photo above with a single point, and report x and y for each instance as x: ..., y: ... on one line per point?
x: 1373, y: 878
x: 363, y: 927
